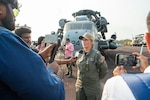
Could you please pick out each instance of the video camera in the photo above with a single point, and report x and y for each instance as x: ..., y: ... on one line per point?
x: 125, y: 59
x: 50, y: 39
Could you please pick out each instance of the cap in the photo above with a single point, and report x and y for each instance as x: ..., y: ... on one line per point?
x: 87, y: 36
x: 148, y: 22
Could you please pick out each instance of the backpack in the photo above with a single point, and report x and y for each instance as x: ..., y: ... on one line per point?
x: 139, y: 84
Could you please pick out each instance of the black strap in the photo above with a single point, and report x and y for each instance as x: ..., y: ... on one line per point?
x: 139, y: 85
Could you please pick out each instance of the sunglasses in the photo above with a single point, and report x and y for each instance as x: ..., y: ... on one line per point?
x: 17, y: 10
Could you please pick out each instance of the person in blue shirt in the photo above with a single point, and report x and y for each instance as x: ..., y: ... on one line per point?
x: 23, y: 73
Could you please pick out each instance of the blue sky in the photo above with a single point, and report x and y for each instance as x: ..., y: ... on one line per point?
x: 126, y: 17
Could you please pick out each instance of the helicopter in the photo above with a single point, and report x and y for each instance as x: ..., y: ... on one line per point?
x: 86, y: 21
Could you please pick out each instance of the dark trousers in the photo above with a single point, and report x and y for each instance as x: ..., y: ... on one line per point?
x: 69, y: 66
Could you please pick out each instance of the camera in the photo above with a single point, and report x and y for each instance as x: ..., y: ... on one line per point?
x: 51, y: 38
x: 125, y: 59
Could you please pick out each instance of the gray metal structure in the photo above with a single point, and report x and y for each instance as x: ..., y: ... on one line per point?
x: 86, y: 21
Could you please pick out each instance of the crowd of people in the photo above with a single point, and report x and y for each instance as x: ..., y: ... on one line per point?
x: 26, y: 73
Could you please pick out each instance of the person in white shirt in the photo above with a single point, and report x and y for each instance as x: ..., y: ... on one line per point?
x: 116, y: 88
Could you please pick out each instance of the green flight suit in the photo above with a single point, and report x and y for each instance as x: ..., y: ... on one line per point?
x: 90, y: 71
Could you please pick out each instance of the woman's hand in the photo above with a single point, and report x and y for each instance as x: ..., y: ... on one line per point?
x: 102, y: 59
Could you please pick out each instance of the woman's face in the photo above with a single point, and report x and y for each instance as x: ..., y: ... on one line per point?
x: 43, y: 43
x: 87, y: 43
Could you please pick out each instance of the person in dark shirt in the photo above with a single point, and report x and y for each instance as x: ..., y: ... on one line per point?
x: 25, y: 33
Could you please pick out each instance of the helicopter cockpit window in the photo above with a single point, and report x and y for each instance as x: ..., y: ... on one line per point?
x: 68, y: 27
x: 78, y: 26
x: 75, y: 26
x: 87, y: 26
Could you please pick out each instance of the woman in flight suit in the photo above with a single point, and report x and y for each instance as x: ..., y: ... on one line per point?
x: 91, y: 67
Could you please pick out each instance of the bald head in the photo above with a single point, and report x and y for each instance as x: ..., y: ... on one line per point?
x: 148, y: 22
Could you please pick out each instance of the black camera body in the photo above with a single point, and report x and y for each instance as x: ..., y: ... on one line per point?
x: 125, y: 59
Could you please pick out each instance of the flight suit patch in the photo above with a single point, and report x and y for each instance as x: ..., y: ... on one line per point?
x: 91, y: 59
